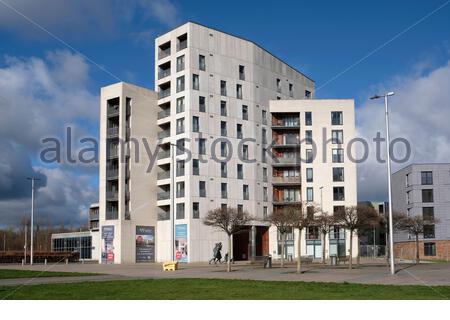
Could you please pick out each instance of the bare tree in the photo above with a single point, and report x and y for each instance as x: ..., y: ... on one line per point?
x: 229, y: 220
x: 282, y: 219
x: 324, y: 222
x: 302, y: 216
x: 355, y: 218
x: 414, y: 225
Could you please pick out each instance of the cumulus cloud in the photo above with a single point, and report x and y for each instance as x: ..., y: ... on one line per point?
x: 39, y: 97
x: 419, y: 112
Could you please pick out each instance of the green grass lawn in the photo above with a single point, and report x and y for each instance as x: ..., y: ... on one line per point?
x: 12, y: 274
x: 219, y: 289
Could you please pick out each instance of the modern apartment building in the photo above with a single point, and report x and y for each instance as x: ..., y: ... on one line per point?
x: 311, y: 149
x: 127, y: 191
x: 212, y: 127
x: 424, y: 190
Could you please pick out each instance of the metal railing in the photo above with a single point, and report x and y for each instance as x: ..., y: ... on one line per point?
x: 163, y: 195
x: 112, y: 195
x: 113, y: 110
x: 164, y: 134
x: 164, y: 113
x: 163, y: 154
x: 372, y: 251
x: 112, y: 173
x: 163, y: 215
x: 182, y: 45
x: 114, y: 131
x: 163, y: 73
x: 163, y: 53
x: 286, y: 180
x: 163, y: 93
x: 163, y: 175
x: 112, y: 214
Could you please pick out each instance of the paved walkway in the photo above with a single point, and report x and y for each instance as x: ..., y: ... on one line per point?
x: 424, y: 274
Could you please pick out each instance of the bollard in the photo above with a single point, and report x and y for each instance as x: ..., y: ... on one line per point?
x: 45, y: 262
x: 67, y: 261
x: 23, y: 263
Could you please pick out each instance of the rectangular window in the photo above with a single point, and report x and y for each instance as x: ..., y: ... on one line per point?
x: 337, y: 137
x: 223, y: 169
x: 180, y: 105
x: 182, y: 42
x: 223, y: 190
x: 201, y: 62
x: 180, y: 147
x: 337, y: 209
x: 279, y: 85
x: 202, y: 146
x: 195, y: 210
x: 265, y: 195
x: 202, y: 189
x: 408, y: 197
x: 428, y: 213
x: 264, y: 116
x: 240, y: 171
x: 309, y: 194
x: 308, y: 137
x: 239, y: 91
x: 307, y: 94
x: 223, y: 108
x: 308, y: 118
x: 244, y: 112
x: 180, y: 63
x: 223, y: 128
x: 223, y: 88
x: 407, y: 180
x: 240, y: 208
x: 336, y: 118
x: 429, y: 249
x: 338, y: 194
x: 239, y: 134
x: 245, y: 152
x: 245, y: 192
x: 195, y: 167
x: 201, y: 104
x: 180, y: 84
x: 180, y: 125
x: 309, y: 156
x: 180, y: 189
x: 241, y: 72
x: 427, y: 195
x: 428, y: 231
x: 291, y: 90
x: 309, y: 175
x: 195, y: 82
x: 338, y: 155
x: 263, y: 136
x: 264, y: 174
x: 180, y: 168
x: 180, y: 211
x: 427, y: 177
x: 223, y: 149
x: 265, y: 214
x: 195, y: 124
x: 338, y: 174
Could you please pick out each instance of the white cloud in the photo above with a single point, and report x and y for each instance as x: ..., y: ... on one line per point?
x: 419, y: 112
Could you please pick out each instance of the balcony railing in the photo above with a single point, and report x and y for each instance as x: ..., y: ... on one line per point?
x: 281, y: 160
x: 163, y: 154
x: 113, y: 153
x: 112, y: 214
x: 287, y: 180
x: 163, y: 93
x: 113, y: 110
x: 182, y: 45
x: 288, y: 124
x: 164, y: 53
x: 163, y: 73
x: 163, y: 114
x: 163, y: 175
x: 286, y: 199
x: 112, y: 173
x: 163, y: 215
x: 112, y: 195
x: 164, y: 134
x: 112, y: 132
x: 163, y: 195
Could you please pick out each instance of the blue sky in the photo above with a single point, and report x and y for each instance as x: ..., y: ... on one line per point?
x: 320, y: 38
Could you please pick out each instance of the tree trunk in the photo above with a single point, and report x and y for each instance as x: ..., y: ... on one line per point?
x: 299, y: 251
x: 229, y: 253
x: 351, y: 250
x: 282, y: 250
x: 417, y: 249
x: 323, y: 247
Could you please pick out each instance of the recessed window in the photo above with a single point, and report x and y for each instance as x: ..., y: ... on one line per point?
x: 223, y: 108
x: 428, y: 213
x: 265, y: 214
x: 195, y: 210
x: 279, y: 85
x: 202, y: 146
x: 291, y: 90
x: 201, y: 104
x: 338, y: 174
x: 239, y: 91
x: 429, y: 249
x: 309, y: 194
x: 202, y: 189
x: 308, y: 118
x: 241, y: 72
x: 180, y: 189
x: 195, y: 82
x: 244, y: 112
x: 195, y: 124
x: 336, y: 118
x: 182, y: 42
x: 180, y: 84
x: 239, y: 134
x: 337, y: 137
x: 180, y: 146
x: 309, y: 156
x: 245, y: 152
x: 223, y: 88
x: 337, y: 155
x: 427, y: 195
x: 245, y: 192
x: 265, y: 194
x: 180, y: 104
x: 428, y: 231
x: 223, y: 190
x: 240, y: 171
x: 338, y: 194
x: 223, y: 149
x: 223, y: 169
x: 180, y: 63
x: 308, y: 137
x: 201, y: 62
x: 195, y: 167
x: 180, y: 126
x: 180, y: 168
x: 426, y: 177
x: 223, y: 128
x: 307, y: 94
x: 180, y: 211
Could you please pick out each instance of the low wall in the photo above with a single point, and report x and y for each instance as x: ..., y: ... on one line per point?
x: 407, y: 250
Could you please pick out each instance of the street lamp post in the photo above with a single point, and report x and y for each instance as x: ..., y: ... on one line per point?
x: 388, y: 142
x: 33, y: 179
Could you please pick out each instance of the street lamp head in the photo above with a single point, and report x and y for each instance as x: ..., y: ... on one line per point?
x: 390, y: 93
x: 375, y: 97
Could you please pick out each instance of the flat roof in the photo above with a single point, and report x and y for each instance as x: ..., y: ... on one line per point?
x: 71, y: 234
x: 242, y: 38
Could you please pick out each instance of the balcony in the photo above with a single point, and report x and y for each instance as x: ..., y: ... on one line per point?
x: 163, y: 175
x: 112, y: 214
x: 163, y: 73
x: 163, y: 154
x: 93, y: 216
x: 163, y: 215
x: 165, y: 195
x: 286, y: 180
x: 112, y: 174
x: 286, y: 161
x: 286, y: 144
x: 182, y: 42
x: 164, y: 134
x: 164, y: 50
x: 113, y: 132
x: 112, y: 195
x: 164, y: 93
x: 113, y: 110
x: 113, y: 153
x: 286, y: 200
x: 164, y: 114
x: 281, y: 124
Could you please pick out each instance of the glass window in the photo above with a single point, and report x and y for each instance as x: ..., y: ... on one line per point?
x: 195, y: 210
x: 308, y: 137
x: 223, y: 169
x: 195, y: 82
x: 427, y: 177
x: 223, y: 108
x: 244, y: 112
x: 291, y: 90
x: 239, y: 134
x: 223, y: 190
x: 429, y: 249
x: 307, y: 94
x: 338, y: 174
x: 309, y: 175
x: 180, y: 146
x: 428, y: 231
x: 265, y: 195
x: 239, y: 91
x: 202, y: 62
x: 309, y: 194
x: 336, y: 118
x: 223, y: 88
x: 202, y: 188
x: 309, y: 156
x: 195, y: 167
x: 241, y: 72
x: 338, y: 194
x: 223, y: 128
x: 202, y: 146
x: 195, y: 124
x: 337, y: 137
x: 223, y: 149
x: 180, y: 104
x: 245, y: 192
x: 180, y: 63
x: 245, y: 152
x: 265, y: 214
x: 240, y: 171
x: 180, y: 189
x: 180, y: 125
x: 308, y: 118
x: 180, y: 168
x: 180, y: 84
x: 428, y: 213
x: 264, y: 171
x: 338, y: 155
x: 201, y: 104
x: 180, y: 211
x: 427, y: 195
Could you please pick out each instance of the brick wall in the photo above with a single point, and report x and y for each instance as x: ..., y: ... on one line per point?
x: 407, y: 250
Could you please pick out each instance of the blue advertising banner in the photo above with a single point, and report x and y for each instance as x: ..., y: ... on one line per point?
x: 145, y: 244
x: 181, y: 244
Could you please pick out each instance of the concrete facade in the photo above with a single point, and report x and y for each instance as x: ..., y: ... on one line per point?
x: 424, y: 189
